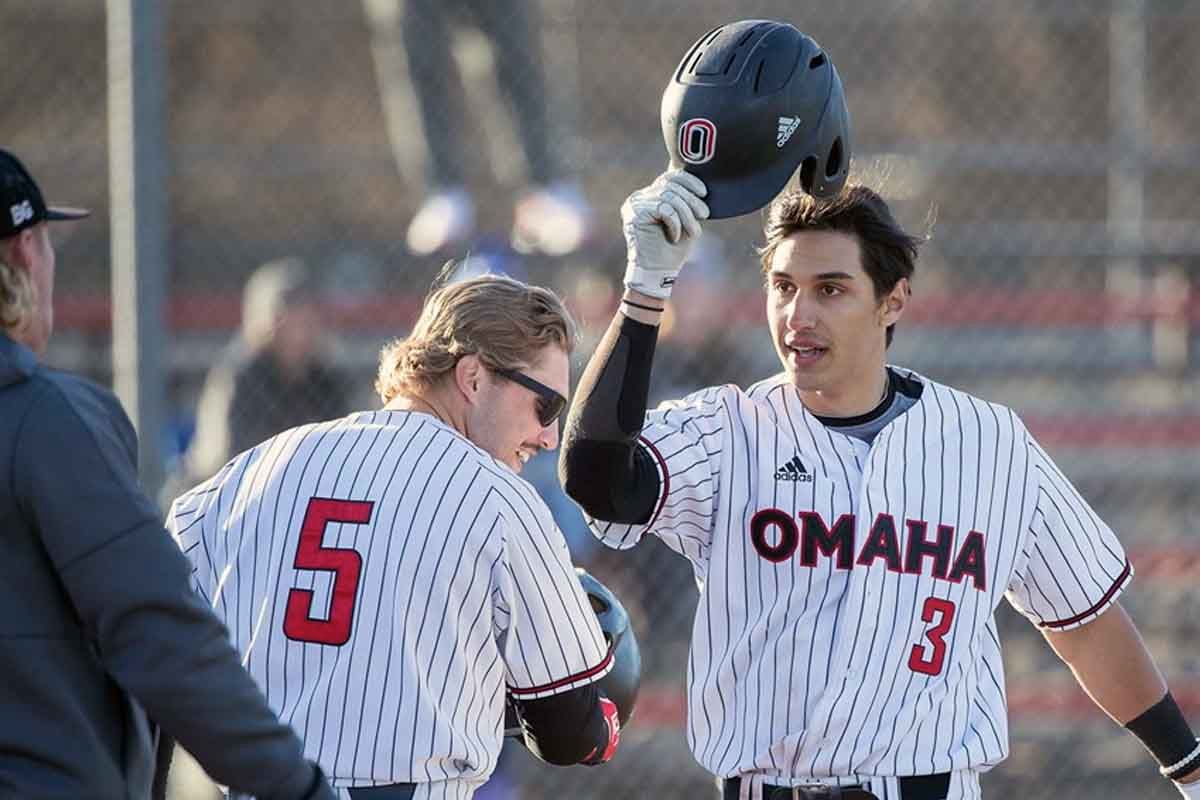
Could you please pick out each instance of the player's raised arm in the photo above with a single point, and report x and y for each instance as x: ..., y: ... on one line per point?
x: 600, y: 465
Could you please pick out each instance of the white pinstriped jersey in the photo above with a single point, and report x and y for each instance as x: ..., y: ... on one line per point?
x: 384, y: 580
x: 845, y: 628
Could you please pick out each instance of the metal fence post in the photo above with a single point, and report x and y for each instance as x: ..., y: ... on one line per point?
x: 137, y: 181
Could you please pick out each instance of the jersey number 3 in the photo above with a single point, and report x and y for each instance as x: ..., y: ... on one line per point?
x: 929, y: 659
x: 344, y: 563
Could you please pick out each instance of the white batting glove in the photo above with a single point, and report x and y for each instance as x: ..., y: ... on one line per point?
x: 1189, y: 790
x: 661, y: 223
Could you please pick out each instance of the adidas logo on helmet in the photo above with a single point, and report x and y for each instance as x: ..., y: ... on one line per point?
x: 787, y: 126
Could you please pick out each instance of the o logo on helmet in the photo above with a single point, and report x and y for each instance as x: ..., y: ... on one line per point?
x: 697, y: 140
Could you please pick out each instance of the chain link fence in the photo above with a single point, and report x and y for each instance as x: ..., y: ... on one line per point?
x: 1052, y: 143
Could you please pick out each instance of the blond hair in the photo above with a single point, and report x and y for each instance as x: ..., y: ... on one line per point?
x: 502, y: 320
x: 18, y: 296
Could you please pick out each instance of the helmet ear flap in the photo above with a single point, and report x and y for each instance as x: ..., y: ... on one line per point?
x: 833, y: 164
x: 623, y: 680
x: 598, y: 604
x: 808, y: 170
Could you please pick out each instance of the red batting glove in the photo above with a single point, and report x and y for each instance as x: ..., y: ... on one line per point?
x: 609, y: 709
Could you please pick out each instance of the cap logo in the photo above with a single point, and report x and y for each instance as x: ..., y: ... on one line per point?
x: 787, y: 126
x: 697, y: 140
x: 21, y: 212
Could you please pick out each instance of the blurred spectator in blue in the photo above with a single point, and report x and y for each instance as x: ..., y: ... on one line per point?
x: 552, y: 215
x: 273, y: 376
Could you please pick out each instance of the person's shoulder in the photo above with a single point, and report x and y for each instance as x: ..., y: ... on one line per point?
x: 57, y: 391
x: 62, y: 412
x: 492, y: 473
x: 457, y: 445
x: 951, y: 397
x: 499, y: 478
x: 511, y: 496
x: 705, y: 411
x: 761, y: 390
x: 738, y: 401
x: 708, y: 398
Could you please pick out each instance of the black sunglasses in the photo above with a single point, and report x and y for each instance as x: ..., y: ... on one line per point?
x: 550, y: 403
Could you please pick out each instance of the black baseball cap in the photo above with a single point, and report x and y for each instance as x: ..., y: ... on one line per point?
x: 21, y: 203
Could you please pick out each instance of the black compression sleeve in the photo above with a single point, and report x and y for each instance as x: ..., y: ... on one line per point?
x: 565, y: 728
x: 601, y: 465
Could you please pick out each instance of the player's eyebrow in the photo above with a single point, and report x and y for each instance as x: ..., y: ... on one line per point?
x: 821, y: 276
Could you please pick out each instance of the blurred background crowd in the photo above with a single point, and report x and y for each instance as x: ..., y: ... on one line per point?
x: 325, y: 157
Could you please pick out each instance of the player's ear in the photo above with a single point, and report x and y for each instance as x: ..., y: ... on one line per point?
x: 893, y: 304
x: 468, y: 374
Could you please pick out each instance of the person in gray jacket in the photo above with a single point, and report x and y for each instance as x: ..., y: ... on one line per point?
x: 102, y: 639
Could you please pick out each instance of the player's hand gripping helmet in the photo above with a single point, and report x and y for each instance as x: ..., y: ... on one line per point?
x: 750, y: 103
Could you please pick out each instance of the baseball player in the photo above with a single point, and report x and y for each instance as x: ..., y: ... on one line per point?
x: 852, y: 526
x: 388, y: 577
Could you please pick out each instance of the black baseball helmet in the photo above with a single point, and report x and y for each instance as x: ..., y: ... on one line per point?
x: 621, y: 684
x: 750, y: 103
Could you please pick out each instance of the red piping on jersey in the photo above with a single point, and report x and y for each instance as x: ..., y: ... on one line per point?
x: 666, y: 488
x: 587, y: 673
x: 1062, y: 623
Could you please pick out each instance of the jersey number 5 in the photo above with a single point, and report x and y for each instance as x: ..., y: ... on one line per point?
x: 344, y: 563
x: 929, y: 660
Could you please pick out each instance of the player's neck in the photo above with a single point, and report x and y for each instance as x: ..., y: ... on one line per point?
x: 853, y: 400
x: 423, y: 405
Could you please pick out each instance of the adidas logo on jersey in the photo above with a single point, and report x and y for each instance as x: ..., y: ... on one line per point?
x: 787, y: 126
x: 793, y: 471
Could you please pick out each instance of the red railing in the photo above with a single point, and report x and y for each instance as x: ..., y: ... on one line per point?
x: 214, y: 311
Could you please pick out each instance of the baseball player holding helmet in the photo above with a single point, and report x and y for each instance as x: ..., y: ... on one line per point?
x: 622, y: 682
x: 852, y: 525
x: 389, y: 578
